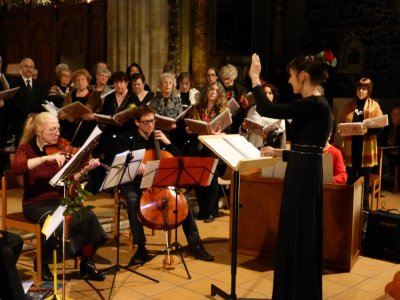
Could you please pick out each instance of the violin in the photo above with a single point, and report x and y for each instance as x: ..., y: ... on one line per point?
x: 64, y: 147
x: 162, y: 208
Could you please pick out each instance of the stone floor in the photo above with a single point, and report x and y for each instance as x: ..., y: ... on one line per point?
x: 367, y: 279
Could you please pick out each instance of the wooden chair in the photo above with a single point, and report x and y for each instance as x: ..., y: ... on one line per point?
x: 17, y: 220
x: 375, y: 182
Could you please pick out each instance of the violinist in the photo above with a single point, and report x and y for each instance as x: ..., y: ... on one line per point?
x: 40, y: 198
x: 143, y: 137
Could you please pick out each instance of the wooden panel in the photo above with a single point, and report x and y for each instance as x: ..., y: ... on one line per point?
x: 259, y: 219
x: 73, y: 32
x: 42, y: 42
x: 70, y: 33
x: 14, y: 37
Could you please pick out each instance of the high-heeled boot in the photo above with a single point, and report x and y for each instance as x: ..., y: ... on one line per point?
x: 89, y: 271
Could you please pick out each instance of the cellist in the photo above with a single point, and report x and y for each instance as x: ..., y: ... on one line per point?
x: 142, y: 136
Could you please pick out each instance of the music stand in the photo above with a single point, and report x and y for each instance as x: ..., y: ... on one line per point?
x: 66, y: 171
x: 240, y: 157
x: 178, y: 172
x: 123, y: 169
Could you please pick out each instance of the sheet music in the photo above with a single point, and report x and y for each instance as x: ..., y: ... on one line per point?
x: 242, y: 145
x: 53, y: 221
x: 121, y: 173
x: 229, y: 153
x: 149, y: 174
x: 76, y: 159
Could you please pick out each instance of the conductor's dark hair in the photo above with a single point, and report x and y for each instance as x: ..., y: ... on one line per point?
x: 311, y: 64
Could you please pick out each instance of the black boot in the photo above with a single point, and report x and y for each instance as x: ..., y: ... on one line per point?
x: 197, y: 250
x: 140, y: 257
x: 89, y: 271
x: 46, y: 273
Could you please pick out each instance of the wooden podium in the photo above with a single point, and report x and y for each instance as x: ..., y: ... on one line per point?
x: 240, y: 155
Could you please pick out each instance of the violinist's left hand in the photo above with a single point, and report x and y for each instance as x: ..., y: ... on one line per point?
x: 92, y: 164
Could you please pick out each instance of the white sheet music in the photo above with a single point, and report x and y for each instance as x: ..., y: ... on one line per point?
x: 121, y: 172
x: 150, y: 172
x: 55, y: 180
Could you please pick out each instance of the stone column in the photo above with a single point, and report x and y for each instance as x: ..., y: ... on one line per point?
x: 199, y: 50
x: 138, y: 32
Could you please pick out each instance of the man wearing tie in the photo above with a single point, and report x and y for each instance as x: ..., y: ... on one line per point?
x: 27, y: 100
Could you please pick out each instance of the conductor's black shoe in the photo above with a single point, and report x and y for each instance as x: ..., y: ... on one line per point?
x: 140, y: 257
x: 197, y: 250
x: 46, y: 273
x: 90, y: 272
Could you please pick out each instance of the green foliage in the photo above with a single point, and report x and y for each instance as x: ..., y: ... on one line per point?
x: 74, y: 199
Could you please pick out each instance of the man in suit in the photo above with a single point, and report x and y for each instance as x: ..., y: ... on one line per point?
x: 27, y: 100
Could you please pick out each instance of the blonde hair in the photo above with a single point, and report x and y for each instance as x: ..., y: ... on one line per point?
x: 83, y: 72
x: 35, y: 124
x: 167, y: 75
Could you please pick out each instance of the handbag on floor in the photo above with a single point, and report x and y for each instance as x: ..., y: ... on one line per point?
x: 382, y: 238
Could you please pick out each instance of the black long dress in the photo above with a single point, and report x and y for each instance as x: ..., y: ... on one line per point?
x: 298, y: 264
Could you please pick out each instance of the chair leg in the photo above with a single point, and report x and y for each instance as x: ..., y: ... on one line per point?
x: 38, y: 254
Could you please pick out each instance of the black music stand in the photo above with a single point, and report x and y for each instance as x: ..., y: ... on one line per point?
x: 222, y: 146
x: 123, y: 169
x: 178, y: 172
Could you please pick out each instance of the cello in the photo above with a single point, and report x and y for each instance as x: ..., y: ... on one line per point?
x: 162, y: 208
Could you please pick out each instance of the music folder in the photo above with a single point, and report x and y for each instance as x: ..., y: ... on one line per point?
x: 179, y: 171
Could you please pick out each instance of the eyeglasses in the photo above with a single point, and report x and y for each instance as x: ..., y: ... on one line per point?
x: 54, y: 130
x: 147, y: 122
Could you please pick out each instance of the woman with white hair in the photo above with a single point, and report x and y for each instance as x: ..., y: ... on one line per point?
x: 166, y: 103
x: 62, y: 85
x: 40, y: 198
x: 234, y: 89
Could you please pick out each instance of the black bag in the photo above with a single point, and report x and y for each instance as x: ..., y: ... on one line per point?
x: 382, y: 238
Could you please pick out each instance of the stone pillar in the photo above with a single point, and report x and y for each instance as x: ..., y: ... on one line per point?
x: 138, y: 32
x: 199, y: 51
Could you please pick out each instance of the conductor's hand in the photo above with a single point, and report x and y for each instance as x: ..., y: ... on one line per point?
x: 159, y: 135
x: 267, y: 151
x: 255, y: 69
x: 1, y: 102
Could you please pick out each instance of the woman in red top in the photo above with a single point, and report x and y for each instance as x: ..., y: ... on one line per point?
x: 40, y: 198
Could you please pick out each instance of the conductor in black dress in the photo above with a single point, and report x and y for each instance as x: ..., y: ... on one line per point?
x: 298, y: 264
